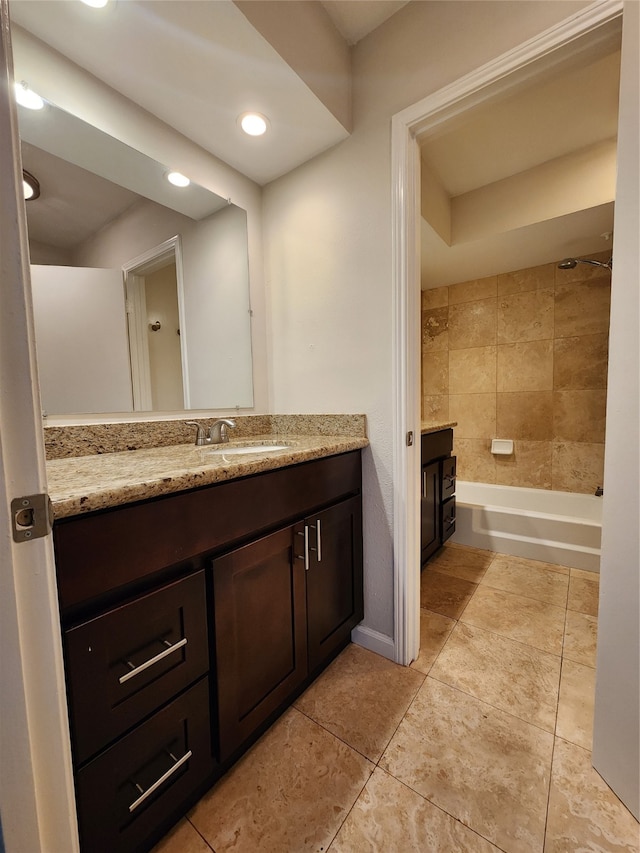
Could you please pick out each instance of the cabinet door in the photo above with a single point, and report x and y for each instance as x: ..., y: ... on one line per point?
x: 430, y: 510
x: 260, y: 637
x: 334, y: 578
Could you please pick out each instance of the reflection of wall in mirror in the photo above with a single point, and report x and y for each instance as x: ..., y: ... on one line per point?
x: 81, y: 339
x: 216, y: 325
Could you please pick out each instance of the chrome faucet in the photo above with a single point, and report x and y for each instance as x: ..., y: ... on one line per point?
x: 218, y: 433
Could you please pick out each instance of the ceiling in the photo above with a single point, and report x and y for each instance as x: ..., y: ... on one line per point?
x: 355, y: 19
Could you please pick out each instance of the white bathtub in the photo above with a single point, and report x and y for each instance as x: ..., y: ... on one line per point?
x: 555, y: 527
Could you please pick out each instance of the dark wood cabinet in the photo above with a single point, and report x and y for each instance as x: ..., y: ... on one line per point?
x: 438, y: 484
x: 189, y: 622
x: 283, y: 607
x: 260, y: 633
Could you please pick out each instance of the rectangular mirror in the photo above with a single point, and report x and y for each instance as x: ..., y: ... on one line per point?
x: 140, y: 288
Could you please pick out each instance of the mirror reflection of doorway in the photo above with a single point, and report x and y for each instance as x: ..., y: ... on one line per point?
x: 153, y: 288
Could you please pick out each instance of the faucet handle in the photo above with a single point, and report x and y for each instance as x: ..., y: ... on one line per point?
x: 201, y: 435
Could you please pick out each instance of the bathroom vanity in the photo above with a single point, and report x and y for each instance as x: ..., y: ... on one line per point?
x: 191, y: 619
x: 438, y: 486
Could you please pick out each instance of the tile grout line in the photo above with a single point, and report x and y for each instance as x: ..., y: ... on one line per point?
x: 199, y: 833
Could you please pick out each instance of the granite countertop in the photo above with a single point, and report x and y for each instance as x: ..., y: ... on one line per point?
x: 434, y: 427
x: 83, y: 484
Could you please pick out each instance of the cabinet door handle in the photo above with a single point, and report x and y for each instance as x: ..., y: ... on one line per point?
x: 305, y: 557
x: 318, y: 548
x: 424, y: 484
x: 163, y: 654
x: 178, y: 763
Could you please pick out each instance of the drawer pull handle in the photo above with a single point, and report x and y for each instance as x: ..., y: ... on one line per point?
x: 160, y: 781
x: 451, y: 521
x: 450, y: 477
x: 151, y: 661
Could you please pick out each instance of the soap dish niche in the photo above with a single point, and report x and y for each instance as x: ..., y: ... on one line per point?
x: 502, y: 446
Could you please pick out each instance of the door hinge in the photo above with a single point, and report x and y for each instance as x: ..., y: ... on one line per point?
x: 31, y: 517
x: 410, y: 438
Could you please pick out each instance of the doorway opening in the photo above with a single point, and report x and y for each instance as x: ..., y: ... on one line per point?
x: 155, y: 316
x: 561, y: 46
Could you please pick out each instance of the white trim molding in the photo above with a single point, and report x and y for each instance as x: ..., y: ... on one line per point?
x: 539, y: 54
x: 374, y: 641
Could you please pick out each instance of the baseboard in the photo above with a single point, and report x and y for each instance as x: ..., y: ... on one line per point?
x: 374, y: 641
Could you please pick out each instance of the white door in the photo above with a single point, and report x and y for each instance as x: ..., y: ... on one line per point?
x: 36, y: 786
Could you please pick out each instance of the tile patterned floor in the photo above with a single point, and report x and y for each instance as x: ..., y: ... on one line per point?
x: 482, y: 745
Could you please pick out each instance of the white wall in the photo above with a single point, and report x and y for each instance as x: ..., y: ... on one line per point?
x: 328, y: 246
x: 616, y: 737
x: 81, y: 339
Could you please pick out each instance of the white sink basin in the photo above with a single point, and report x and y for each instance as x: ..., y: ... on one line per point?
x: 237, y: 450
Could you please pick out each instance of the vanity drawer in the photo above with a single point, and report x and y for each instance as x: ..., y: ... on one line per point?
x: 124, y: 664
x: 448, y: 477
x: 448, y: 518
x: 129, y: 792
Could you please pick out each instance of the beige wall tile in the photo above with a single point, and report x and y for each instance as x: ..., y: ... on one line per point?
x: 534, y: 278
x: 525, y: 316
x: 435, y: 409
x: 577, y: 467
x: 475, y: 461
x: 579, y: 415
x: 580, y: 363
x: 472, y: 324
x: 437, y: 297
x: 529, y: 465
x: 527, y: 415
x: 472, y: 370
x: 582, y: 308
x: 525, y: 366
x: 471, y: 291
x: 435, y: 372
x: 435, y: 329
x: 475, y: 414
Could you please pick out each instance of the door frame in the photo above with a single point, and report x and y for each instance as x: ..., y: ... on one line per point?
x: 37, y: 801
x: 406, y: 127
x: 134, y: 272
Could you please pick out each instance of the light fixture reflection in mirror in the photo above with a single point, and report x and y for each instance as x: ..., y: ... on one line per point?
x: 86, y: 231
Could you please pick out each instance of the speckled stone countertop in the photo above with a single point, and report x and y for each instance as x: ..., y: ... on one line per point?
x: 83, y: 484
x: 427, y: 427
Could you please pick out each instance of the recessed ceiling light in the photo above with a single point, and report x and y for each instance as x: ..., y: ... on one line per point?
x: 30, y: 186
x: 178, y: 179
x: 95, y: 4
x: 253, y: 123
x: 26, y: 97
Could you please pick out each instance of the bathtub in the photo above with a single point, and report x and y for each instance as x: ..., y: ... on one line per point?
x: 555, y: 527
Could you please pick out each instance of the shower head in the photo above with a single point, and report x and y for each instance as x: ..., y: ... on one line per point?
x: 572, y: 263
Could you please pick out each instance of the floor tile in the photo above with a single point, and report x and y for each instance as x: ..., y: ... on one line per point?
x: 183, y: 838
x: 291, y: 791
x: 511, y: 676
x: 434, y: 630
x: 389, y: 816
x: 443, y: 594
x: 584, y: 814
x: 575, y: 706
x: 525, y: 620
x: 466, y: 564
x: 361, y: 698
x: 529, y: 578
x: 580, y: 638
x: 484, y: 767
x: 584, y: 588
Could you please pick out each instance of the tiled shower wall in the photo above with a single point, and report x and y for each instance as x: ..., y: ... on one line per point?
x: 521, y: 355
